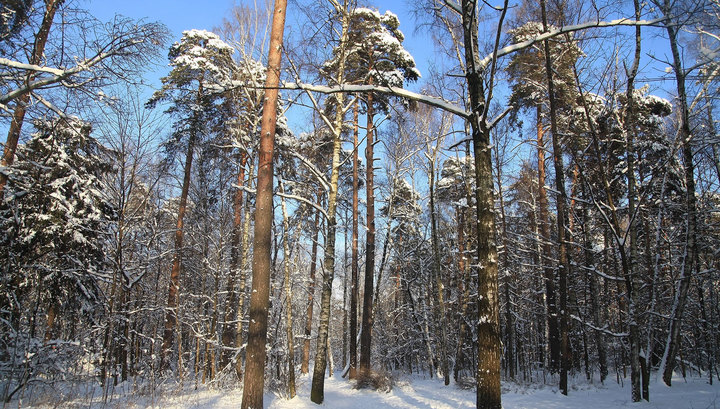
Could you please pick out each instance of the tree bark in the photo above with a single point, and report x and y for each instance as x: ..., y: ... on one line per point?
x: 18, y: 116
x: 171, y: 312
x: 244, y: 255
x: 545, y: 258
x: 437, y: 272
x: 689, y: 257
x: 288, y: 299
x: 259, y: 299
x: 488, y: 318
x: 354, y: 262
x: 367, y: 317
x: 311, y: 290
x: 563, y: 218
x: 317, y: 391
x: 463, y: 290
x: 231, y: 309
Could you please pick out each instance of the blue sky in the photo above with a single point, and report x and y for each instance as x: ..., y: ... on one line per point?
x: 180, y: 15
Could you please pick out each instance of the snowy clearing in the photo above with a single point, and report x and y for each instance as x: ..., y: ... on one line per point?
x: 415, y: 392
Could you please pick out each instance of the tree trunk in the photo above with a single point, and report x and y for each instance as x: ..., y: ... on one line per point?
x: 311, y: 290
x: 345, y: 309
x: 438, y: 276
x: 171, y: 312
x: 259, y: 298
x: 288, y: 299
x: 244, y: 255
x: 231, y: 309
x: 488, y: 318
x: 636, y: 371
x: 563, y: 218
x: 594, y: 294
x: 18, y: 116
x: 463, y: 290
x: 51, y: 318
x: 317, y: 392
x: 689, y: 257
x: 546, y: 256
x: 354, y: 262
x: 367, y: 317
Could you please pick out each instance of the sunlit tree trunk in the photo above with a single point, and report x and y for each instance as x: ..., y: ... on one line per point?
x: 18, y: 116
x: 171, y: 312
x: 317, y: 391
x: 231, y: 308
x: 259, y: 298
x: 354, y: 257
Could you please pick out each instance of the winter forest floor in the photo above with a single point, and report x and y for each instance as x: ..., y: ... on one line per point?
x: 408, y: 392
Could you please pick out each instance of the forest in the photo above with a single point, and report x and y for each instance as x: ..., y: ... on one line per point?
x: 533, y: 201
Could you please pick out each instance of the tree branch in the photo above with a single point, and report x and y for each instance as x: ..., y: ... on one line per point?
x: 398, y: 92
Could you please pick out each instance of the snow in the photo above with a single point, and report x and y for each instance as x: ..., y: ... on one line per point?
x: 415, y: 392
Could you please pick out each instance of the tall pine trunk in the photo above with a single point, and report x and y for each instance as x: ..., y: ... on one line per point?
x: 563, y: 217
x: 171, y: 312
x: 231, y: 309
x: 549, y: 277
x: 367, y: 315
x: 354, y: 258
x: 254, y: 384
x: 18, y: 116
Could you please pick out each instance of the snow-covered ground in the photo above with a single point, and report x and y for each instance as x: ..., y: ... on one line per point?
x: 418, y: 392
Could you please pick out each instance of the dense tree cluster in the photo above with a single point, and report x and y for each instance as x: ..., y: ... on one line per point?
x: 552, y: 213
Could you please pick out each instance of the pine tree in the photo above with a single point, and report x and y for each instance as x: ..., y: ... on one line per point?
x: 200, y: 60
x: 374, y: 56
x: 530, y: 90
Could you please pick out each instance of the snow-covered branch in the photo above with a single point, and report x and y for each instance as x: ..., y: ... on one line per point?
x: 304, y: 200
x: 564, y: 30
x: 30, y: 67
x: 58, y: 75
x: 398, y: 92
x: 604, y: 329
x: 314, y: 170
